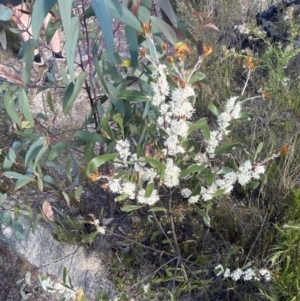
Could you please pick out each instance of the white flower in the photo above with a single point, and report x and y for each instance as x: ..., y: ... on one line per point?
x: 115, y: 186
x: 101, y: 229
x: 171, y: 176
x: 233, y: 108
x: 185, y: 192
x: 129, y: 188
x: 248, y: 274
x: 223, y: 121
x: 227, y: 273
x: 260, y: 169
x: 219, y: 270
x: 161, y: 87
x: 151, y: 200
x: 244, y: 176
x: 206, y: 195
x: 180, y: 105
x: 214, y: 141
x: 194, y: 199
x: 173, y: 146
x: 148, y: 174
x: 123, y: 148
x: 236, y: 274
x: 265, y: 274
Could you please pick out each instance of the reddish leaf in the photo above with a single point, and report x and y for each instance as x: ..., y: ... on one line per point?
x: 48, y: 212
x: 10, y: 75
x: 135, y: 6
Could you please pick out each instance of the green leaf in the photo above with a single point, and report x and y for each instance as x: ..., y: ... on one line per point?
x: 50, y: 102
x: 15, y: 175
x: 165, y: 28
x: 158, y: 209
x: 166, y: 6
x: 24, y: 105
x: 219, y: 192
x: 122, y: 197
x: 154, y: 163
x: 133, y: 96
x: 227, y: 148
x: 105, y: 22
x: 5, y: 13
x: 78, y: 193
x: 18, y: 230
x: 90, y: 137
x: 129, y: 208
x: 133, y: 45
x: 106, y: 127
x: 40, y: 10
x: 259, y: 149
x: 34, y: 149
x: 206, y: 218
x: 22, y: 182
x: 120, y: 12
x: 67, y: 198
x: 191, y: 169
x: 224, y: 170
x: 213, y: 109
x: 71, y: 32
x: 57, y: 150
x: 12, y: 155
x: 10, y: 107
x: 252, y: 184
x: 118, y: 119
x: 100, y: 160
x: 72, y: 92
x: 199, y: 76
x: 200, y: 124
x: 149, y: 189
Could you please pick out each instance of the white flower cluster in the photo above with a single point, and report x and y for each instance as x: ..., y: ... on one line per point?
x: 160, y: 87
x: 120, y: 187
x: 246, y: 172
x: 123, y: 147
x: 246, y: 275
x: 150, y: 200
x: 232, y: 111
x: 171, y: 176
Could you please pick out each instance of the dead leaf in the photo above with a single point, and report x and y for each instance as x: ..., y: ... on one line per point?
x: 48, y: 212
x: 79, y: 294
x: 10, y: 75
x: 211, y: 26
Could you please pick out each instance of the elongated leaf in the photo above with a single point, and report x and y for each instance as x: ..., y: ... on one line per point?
x: 48, y: 212
x: 133, y: 45
x: 158, y: 209
x: 227, y: 148
x: 120, y: 12
x: 133, y: 96
x: 129, y: 208
x: 197, y: 125
x: 90, y: 137
x: 166, y: 6
x: 5, y: 13
x: 22, y: 182
x: 15, y: 175
x: 18, y: 230
x: 24, y: 105
x: 154, y: 163
x: 105, y: 22
x: 40, y: 10
x: 166, y: 29
x: 71, y: 30
x: 149, y: 190
x: 100, y: 160
x: 258, y: 150
x: 57, y: 150
x: 206, y: 218
x: 72, y: 92
x: 191, y: 169
x: 213, y: 109
x: 122, y: 197
x: 34, y: 149
x: 10, y: 107
x: 199, y: 76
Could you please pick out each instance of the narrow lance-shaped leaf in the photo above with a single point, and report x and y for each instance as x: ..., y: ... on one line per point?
x: 166, y: 29
x: 40, y: 10
x: 72, y: 92
x: 166, y: 6
x: 191, y: 169
x: 71, y: 30
x: 100, y: 160
x: 105, y: 22
x: 133, y: 96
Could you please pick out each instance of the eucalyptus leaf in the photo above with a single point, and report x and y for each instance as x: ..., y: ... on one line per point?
x: 100, y: 160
